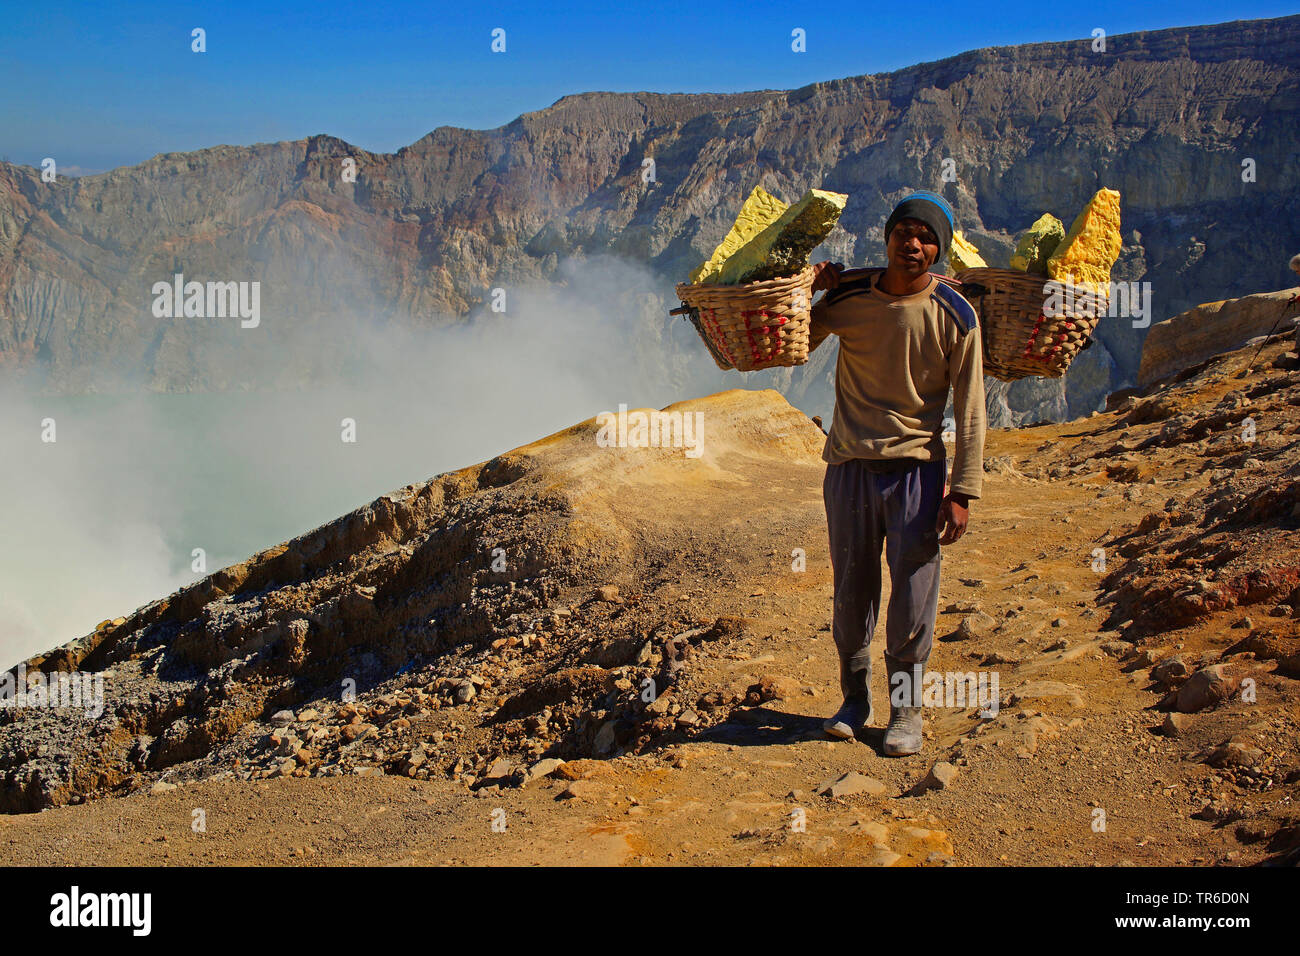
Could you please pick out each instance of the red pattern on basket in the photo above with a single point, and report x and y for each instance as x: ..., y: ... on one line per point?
x: 1049, y: 356
x: 766, y: 330
x: 710, y: 320
x: 1033, y: 337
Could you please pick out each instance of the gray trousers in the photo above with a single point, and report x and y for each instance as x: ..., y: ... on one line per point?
x: 870, y: 504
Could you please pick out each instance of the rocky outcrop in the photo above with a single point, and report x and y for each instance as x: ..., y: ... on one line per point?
x: 1234, y: 541
x: 501, y: 580
x: 422, y: 235
x: 1212, y: 329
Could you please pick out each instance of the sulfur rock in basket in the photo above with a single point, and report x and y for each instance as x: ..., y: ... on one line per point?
x: 1037, y: 245
x: 782, y: 248
x: 1089, y: 250
x: 760, y: 210
x: 963, y: 255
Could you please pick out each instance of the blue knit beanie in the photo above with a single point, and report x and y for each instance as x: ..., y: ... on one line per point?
x: 933, y: 210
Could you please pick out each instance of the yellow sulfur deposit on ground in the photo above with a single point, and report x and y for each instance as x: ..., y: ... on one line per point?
x: 1037, y: 245
x: 760, y: 210
x: 1088, y: 252
x: 963, y: 255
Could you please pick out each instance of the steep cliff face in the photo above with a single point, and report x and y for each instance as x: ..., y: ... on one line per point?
x: 423, y: 235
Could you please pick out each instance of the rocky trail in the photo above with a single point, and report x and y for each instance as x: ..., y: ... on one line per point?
x: 1132, y: 579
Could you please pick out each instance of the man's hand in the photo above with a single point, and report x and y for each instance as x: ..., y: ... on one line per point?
x: 826, y: 275
x: 954, y: 512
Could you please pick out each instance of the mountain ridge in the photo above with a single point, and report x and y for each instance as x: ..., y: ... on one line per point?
x: 427, y: 232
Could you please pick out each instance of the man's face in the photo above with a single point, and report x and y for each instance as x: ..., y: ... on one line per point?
x: 912, y: 247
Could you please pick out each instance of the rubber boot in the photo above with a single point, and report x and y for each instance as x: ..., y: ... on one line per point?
x: 855, y: 712
x: 903, y: 735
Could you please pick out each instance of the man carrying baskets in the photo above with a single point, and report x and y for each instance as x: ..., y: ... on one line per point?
x: 906, y: 337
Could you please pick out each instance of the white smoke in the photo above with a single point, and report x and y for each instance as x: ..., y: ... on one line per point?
x: 106, y: 518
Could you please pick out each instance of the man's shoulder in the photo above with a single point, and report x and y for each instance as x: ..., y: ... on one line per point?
x: 858, y: 285
x: 953, y: 304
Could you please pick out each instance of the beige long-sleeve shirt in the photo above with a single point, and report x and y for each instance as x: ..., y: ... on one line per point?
x: 899, y: 355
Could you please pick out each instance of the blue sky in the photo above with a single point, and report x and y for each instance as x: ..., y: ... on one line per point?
x: 98, y: 85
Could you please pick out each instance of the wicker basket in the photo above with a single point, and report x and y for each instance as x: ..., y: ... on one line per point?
x: 754, y: 325
x: 761, y: 325
x: 1019, y: 338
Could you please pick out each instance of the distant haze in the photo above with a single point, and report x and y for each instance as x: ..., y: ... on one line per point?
x: 105, y: 519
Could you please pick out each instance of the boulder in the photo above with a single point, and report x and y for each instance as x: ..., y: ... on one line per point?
x: 977, y: 625
x: 1205, y: 688
x: 1212, y: 329
x: 852, y: 783
x: 940, y: 777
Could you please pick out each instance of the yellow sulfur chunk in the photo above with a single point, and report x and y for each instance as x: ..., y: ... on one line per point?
x: 1037, y: 245
x: 1089, y: 250
x: 782, y: 248
x: 761, y: 209
x: 963, y: 255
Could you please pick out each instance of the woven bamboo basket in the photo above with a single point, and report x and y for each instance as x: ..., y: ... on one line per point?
x: 1020, y: 338
x: 755, y: 325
